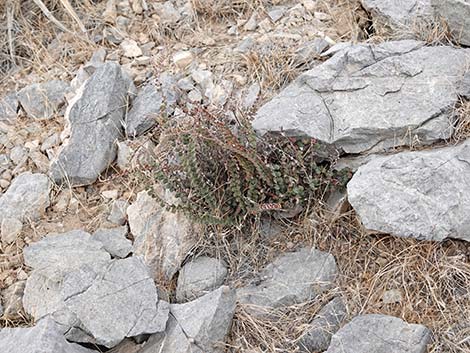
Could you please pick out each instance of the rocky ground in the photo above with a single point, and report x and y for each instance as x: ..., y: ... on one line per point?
x: 90, y: 261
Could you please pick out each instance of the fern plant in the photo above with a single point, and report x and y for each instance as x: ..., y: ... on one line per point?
x: 222, y: 176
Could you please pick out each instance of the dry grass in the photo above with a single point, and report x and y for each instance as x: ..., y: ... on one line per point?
x: 462, y: 127
x: 216, y: 9
x: 433, y: 279
x: 30, y: 42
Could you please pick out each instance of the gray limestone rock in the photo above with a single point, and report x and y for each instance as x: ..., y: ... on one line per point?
x: 399, y: 15
x: 163, y: 238
x: 9, y: 107
x: 380, y: 334
x: 127, y: 300
x: 418, y: 194
x: 323, y: 327
x: 95, y: 118
x: 13, y: 300
x: 74, y: 278
x: 117, y: 215
x: 43, y: 100
x: 45, y: 337
x: 27, y: 197
x: 369, y: 98
x: 145, y: 109
x: 310, y: 50
x: 291, y: 278
x: 199, y: 276
x: 53, y: 259
x: 114, y: 241
x: 170, y: 91
x: 65, y: 251
x: 457, y: 15
x: 199, y: 326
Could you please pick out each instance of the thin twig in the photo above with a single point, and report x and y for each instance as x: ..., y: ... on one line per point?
x: 66, y: 4
x: 11, y: 44
x: 50, y: 16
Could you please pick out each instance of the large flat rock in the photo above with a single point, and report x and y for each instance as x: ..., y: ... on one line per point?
x: 291, y: 278
x: 74, y: 278
x: 46, y: 336
x: 369, y: 98
x: 420, y: 194
x: 380, y: 334
x: 456, y: 13
x: 94, y: 118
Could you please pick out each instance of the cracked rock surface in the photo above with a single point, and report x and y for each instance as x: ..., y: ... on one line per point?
x: 74, y: 278
x: 291, y: 278
x: 95, y: 117
x: 380, y: 334
x: 46, y: 336
x: 199, y: 326
x: 407, y: 194
x: 370, y: 98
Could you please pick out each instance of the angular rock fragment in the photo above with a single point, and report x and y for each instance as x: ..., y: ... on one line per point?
x: 114, y: 241
x: 291, y: 278
x: 95, y: 118
x: 118, y: 212
x: 52, y: 259
x: 323, y: 327
x: 9, y: 107
x: 399, y: 15
x: 74, y: 278
x: 380, y: 334
x: 199, y: 326
x: 13, y: 300
x: 370, y: 98
x: 10, y: 229
x: 145, y: 109
x: 46, y: 336
x: 127, y: 300
x: 197, y: 277
x: 130, y: 48
x: 456, y: 13
x: 163, y: 238
x: 420, y: 194
x: 27, y: 197
x: 43, y: 100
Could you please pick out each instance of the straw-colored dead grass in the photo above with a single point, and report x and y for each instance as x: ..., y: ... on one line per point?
x: 462, y: 126
x: 432, y: 278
